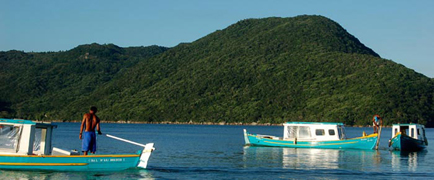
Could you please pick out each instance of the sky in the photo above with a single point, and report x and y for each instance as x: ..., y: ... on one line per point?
x: 398, y: 30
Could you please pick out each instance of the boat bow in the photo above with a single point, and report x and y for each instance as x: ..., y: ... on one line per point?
x: 146, y: 153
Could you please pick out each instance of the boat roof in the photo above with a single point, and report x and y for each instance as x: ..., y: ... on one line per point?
x: 407, y: 124
x: 23, y: 121
x: 315, y: 123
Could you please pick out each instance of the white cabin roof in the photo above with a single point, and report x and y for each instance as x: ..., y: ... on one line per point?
x: 312, y: 123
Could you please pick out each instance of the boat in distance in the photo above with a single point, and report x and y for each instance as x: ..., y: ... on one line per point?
x: 325, y: 135
x: 27, y: 145
x: 408, y: 137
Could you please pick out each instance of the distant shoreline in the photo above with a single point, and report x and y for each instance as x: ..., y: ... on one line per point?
x: 186, y: 123
x: 168, y: 122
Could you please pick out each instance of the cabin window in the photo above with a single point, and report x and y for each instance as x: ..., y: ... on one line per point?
x: 320, y: 132
x: 304, y: 132
x: 396, y: 130
x: 341, y: 132
x: 412, y: 132
x: 423, y: 131
x: 292, y: 131
x: 331, y: 132
x: 37, y: 139
x: 9, y: 136
x: 418, y: 132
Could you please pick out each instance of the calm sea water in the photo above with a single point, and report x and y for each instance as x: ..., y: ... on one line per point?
x: 218, y: 152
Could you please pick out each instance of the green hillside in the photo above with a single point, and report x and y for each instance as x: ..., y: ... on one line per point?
x: 34, y: 85
x: 272, y: 70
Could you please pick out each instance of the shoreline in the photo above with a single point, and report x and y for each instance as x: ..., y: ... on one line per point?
x: 169, y: 122
x: 185, y: 123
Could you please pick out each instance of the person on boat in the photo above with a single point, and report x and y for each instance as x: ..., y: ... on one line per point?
x: 376, y: 122
x: 403, y: 131
x: 89, y: 123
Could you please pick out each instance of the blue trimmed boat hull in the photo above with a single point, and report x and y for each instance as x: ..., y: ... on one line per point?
x: 406, y: 143
x: 366, y: 142
x: 70, y: 163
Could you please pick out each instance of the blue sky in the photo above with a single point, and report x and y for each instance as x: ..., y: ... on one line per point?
x: 400, y: 30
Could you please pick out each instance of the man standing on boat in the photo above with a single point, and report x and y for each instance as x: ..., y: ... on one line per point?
x: 376, y: 121
x: 89, y: 123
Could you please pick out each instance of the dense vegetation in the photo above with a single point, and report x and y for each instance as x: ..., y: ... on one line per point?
x: 35, y: 85
x: 306, y: 68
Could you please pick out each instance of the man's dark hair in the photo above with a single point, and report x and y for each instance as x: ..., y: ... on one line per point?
x: 93, y: 108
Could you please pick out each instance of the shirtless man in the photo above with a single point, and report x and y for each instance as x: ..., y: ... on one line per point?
x: 376, y: 122
x: 90, y: 121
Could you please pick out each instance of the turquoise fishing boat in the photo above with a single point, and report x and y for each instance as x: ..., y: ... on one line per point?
x: 26, y: 145
x: 313, y: 135
x: 408, y: 137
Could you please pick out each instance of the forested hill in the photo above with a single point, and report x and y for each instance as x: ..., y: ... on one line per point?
x: 305, y: 68
x: 35, y: 85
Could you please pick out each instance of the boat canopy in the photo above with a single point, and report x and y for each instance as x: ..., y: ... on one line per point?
x: 313, y: 123
x: 313, y: 131
x: 25, y: 137
x: 416, y: 131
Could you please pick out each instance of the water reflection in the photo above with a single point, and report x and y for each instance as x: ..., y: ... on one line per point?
x: 310, y: 158
x: 298, y: 158
x: 46, y: 175
x: 24, y: 175
x: 406, y: 160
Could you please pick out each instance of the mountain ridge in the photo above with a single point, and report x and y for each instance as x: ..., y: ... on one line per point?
x: 305, y: 68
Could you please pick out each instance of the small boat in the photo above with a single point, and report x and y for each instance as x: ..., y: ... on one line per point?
x: 27, y: 145
x: 408, y: 137
x: 313, y: 135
